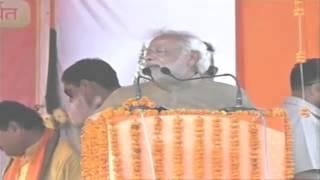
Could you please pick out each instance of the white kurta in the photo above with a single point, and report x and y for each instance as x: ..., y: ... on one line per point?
x: 4, y: 159
x: 306, y: 134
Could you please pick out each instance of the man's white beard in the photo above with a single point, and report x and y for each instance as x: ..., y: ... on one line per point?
x: 158, y: 75
x: 176, y: 68
x: 80, y: 110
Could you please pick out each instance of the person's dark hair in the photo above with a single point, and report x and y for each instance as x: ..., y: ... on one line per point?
x: 24, y: 116
x: 311, y: 73
x: 92, y: 69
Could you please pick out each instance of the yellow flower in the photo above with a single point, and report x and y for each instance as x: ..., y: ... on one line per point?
x: 48, y: 121
x: 60, y: 115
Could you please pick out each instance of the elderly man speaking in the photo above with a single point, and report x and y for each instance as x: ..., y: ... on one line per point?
x: 183, y: 56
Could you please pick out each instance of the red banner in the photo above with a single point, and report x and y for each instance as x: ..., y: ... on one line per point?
x: 20, y: 39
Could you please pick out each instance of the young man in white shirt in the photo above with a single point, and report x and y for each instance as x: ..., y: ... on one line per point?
x: 305, y: 128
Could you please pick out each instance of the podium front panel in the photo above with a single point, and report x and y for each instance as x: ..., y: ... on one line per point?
x: 187, y: 144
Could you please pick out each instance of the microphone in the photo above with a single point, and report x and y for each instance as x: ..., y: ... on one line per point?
x: 146, y: 71
x: 239, y: 98
x: 212, y: 70
x: 167, y: 71
x: 138, y: 85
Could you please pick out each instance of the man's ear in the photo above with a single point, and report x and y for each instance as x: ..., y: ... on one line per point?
x: 315, y: 89
x: 87, y: 88
x: 13, y: 126
x: 194, y: 58
x: 84, y: 84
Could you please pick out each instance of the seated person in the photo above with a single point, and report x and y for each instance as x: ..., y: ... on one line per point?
x: 305, y: 128
x: 37, y: 152
x: 186, y: 57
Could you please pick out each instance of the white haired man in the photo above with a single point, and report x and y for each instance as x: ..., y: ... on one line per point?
x: 186, y: 56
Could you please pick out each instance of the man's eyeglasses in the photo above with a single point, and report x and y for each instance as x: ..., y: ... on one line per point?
x: 161, y: 51
x: 158, y: 51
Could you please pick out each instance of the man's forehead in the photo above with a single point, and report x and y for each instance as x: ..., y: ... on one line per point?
x: 165, y: 40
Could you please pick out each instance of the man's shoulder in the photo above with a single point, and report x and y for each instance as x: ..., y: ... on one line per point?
x: 293, y: 104
x: 124, y: 93
x: 217, y: 86
x: 227, y: 90
x: 132, y: 88
x: 222, y: 84
x: 114, y: 100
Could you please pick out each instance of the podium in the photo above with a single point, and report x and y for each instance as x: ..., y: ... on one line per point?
x: 186, y: 144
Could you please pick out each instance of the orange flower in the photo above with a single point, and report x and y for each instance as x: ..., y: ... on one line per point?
x: 304, y: 112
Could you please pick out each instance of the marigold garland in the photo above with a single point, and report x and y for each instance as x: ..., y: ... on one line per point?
x: 178, y: 147
x: 115, y: 151
x: 304, y: 112
x: 136, y: 149
x: 289, y: 164
x: 142, y: 102
x: 298, y: 9
x: 60, y: 115
x: 234, y: 147
x: 94, y: 150
x: 95, y: 162
x: 48, y: 121
x: 300, y: 57
x: 254, y: 148
x: 288, y: 158
x: 217, y: 148
x: 198, y: 153
x: 158, y: 148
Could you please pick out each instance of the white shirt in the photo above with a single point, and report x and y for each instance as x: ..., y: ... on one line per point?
x: 4, y: 159
x: 305, y: 133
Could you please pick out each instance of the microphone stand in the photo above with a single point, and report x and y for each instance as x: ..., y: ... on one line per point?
x: 138, y: 85
x: 238, y: 106
x: 239, y: 100
x: 139, y: 92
